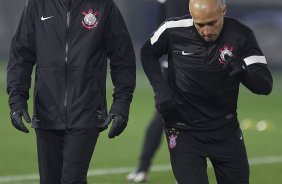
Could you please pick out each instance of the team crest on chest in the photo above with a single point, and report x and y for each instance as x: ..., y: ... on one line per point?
x: 225, y: 51
x: 90, y: 19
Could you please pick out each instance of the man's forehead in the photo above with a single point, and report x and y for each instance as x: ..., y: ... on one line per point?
x: 205, y: 20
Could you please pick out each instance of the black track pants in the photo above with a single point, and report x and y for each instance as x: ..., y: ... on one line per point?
x: 64, y: 156
x: 188, y: 158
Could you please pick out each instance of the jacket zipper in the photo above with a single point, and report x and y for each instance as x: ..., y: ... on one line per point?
x: 66, y: 67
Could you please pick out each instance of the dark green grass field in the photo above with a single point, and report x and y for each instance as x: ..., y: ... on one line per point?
x: 113, y: 159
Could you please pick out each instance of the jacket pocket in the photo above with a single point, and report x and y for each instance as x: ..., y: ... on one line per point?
x: 85, y: 92
x: 47, y: 94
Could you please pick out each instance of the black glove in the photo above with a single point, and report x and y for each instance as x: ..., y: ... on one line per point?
x: 118, y: 125
x: 169, y: 112
x: 166, y: 107
x: 16, y: 118
x: 118, y: 114
x: 235, y: 66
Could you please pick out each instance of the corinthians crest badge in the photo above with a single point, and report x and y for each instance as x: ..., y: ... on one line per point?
x: 172, y: 141
x: 172, y: 135
x: 225, y: 51
x: 90, y: 19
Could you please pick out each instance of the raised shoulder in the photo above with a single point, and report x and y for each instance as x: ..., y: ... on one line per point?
x: 237, y: 26
x: 175, y: 22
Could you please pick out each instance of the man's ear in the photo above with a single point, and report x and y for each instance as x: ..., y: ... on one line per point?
x: 223, y: 9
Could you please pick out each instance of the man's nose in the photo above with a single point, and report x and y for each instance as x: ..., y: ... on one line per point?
x: 207, y: 31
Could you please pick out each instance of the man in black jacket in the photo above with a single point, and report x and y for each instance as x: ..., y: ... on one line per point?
x: 70, y: 41
x: 154, y: 131
x: 209, y: 55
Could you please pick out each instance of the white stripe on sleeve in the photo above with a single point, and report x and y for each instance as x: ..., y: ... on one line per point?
x: 255, y: 59
x: 170, y: 24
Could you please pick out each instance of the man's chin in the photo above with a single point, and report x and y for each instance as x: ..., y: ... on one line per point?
x: 210, y: 39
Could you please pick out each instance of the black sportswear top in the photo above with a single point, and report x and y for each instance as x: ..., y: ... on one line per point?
x: 206, y: 95
x: 70, y: 42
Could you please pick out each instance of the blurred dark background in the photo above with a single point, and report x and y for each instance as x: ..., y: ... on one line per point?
x: 263, y: 16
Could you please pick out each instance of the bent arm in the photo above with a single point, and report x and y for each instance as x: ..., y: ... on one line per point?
x: 259, y: 79
x: 152, y: 50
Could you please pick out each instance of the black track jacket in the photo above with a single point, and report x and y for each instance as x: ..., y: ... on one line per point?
x: 70, y: 41
x: 206, y: 96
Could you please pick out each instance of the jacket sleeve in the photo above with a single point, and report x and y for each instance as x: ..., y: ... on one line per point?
x: 259, y: 79
x: 122, y: 60
x: 152, y: 50
x: 22, y: 58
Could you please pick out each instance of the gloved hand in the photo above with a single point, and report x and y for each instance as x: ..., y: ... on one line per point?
x: 166, y: 107
x: 118, y: 125
x: 16, y: 118
x: 118, y: 114
x: 235, y: 66
x: 168, y: 110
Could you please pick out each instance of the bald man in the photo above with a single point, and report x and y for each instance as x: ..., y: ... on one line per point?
x: 209, y: 56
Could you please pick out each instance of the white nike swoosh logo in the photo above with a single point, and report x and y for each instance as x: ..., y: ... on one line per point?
x: 45, y: 18
x: 186, y: 53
